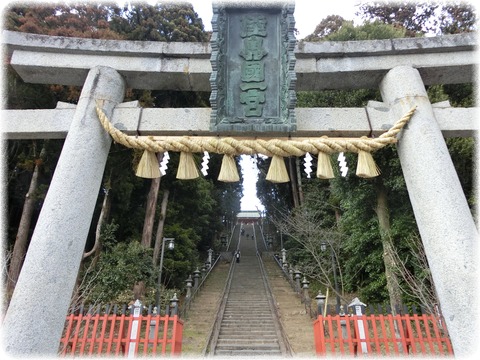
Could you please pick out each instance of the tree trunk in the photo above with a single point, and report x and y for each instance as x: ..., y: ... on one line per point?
x: 78, y: 291
x: 383, y: 215
x: 104, y: 213
x: 299, y: 181
x: 393, y: 287
x: 21, y: 241
x: 161, y: 223
x: 150, y: 210
x: 293, y: 182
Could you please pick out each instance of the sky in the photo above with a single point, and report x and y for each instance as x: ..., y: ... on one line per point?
x: 308, y: 14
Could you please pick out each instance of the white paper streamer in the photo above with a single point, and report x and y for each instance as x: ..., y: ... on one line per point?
x: 308, y: 164
x: 205, y: 159
x: 343, y: 164
x: 163, y: 164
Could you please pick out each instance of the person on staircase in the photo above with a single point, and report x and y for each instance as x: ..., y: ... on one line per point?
x: 237, y: 256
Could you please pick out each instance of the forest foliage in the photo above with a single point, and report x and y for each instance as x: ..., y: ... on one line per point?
x: 346, y: 208
x: 343, y: 211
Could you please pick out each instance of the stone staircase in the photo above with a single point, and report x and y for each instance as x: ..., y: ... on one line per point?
x: 248, y: 326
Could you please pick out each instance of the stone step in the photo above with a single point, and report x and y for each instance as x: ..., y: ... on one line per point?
x: 246, y: 330
x: 247, y: 353
x: 249, y: 324
x: 247, y: 327
x: 245, y: 302
x: 246, y: 346
x: 247, y: 306
x: 248, y: 342
x: 265, y: 334
x: 242, y: 316
x: 253, y: 347
x: 245, y: 335
x: 246, y: 310
x: 246, y: 318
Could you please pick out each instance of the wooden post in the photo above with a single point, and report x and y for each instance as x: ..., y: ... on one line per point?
x: 134, y: 329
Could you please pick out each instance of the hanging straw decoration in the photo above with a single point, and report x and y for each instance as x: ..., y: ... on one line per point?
x: 277, y: 172
x: 324, y: 166
x: 275, y: 148
x: 228, y: 171
x: 148, y: 166
x: 187, y: 169
x: 366, y: 167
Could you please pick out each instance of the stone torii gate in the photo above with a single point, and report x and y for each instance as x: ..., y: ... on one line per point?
x: 400, y: 68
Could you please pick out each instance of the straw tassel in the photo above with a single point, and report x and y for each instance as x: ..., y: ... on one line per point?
x: 148, y: 166
x: 277, y: 172
x: 228, y: 171
x: 324, y: 166
x: 187, y: 168
x: 366, y: 167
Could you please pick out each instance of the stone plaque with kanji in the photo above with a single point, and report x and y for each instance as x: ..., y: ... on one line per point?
x: 253, y: 76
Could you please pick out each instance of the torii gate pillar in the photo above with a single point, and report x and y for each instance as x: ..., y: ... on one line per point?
x: 444, y: 219
x: 35, y: 318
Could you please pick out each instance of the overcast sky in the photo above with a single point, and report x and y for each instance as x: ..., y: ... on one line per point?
x: 308, y: 13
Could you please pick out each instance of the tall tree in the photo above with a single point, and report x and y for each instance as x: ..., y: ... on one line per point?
x: 150, y: 209
x: 160, y: 226
x: 329, y: 25
x: 163, y: 22
x: 383, y: 214
x: 423, y: 17
x: 76, y: 20
x: 21, y: 241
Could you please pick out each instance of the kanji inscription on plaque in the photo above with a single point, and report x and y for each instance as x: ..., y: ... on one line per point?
x: 253, y: 78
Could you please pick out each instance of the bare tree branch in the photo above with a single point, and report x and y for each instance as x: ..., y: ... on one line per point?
x: 418, y: 282
x: 306, y: 228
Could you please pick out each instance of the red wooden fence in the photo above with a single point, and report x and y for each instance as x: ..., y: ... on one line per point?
x: 111, y: 334
x: 386, y: 335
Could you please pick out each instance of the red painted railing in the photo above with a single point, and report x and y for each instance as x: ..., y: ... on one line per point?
x: 386, y: 335
x: 111, y: 334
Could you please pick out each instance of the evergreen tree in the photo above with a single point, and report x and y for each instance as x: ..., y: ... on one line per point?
x: 425, y: 17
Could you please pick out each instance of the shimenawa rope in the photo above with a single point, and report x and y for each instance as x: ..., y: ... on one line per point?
x: 272, y: 147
